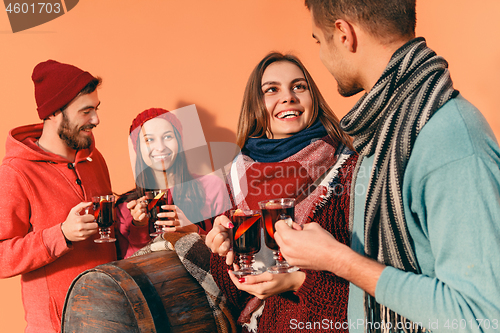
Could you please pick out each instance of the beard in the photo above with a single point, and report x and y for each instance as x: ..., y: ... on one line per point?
x: 347, y: 87
x: 348, y: 91
x: 71, y: 134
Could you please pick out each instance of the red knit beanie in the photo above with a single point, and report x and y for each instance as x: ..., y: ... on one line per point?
x: 149, y: 114
x: 56, y: 85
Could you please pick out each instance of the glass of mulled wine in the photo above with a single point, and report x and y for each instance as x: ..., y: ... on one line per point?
x: 272, y: 211
x: 103, y: 213
x: 246, y: 240
x: 156, y: 199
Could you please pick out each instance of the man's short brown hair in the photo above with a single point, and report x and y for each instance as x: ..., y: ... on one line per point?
x: 384, y: 19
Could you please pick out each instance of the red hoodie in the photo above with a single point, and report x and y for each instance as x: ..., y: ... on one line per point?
x: 37, y: 191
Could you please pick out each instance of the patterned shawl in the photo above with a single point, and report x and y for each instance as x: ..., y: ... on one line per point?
x: 297, y: 176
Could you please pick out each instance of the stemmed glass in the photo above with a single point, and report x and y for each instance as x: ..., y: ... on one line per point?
x: 103, y: 213
x: 246, y: 240
x: 272, y: 211
x: 156, y: 199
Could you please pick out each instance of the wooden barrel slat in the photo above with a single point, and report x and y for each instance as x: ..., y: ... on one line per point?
x: 184, y: 309
x: 85, y: 317
x: 149, y: 293
x: 197, y: 327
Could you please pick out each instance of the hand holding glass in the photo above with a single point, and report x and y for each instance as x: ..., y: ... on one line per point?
x: 246, y: 239
x: 156, y: 199
x: 273, y: 211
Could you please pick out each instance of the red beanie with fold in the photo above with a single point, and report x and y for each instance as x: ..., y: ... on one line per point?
x: 57, y: 84
x: 148, y: 115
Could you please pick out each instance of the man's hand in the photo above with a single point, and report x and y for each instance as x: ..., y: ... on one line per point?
x: 305, y: 248
x: 79, y: 227
x: 316, y: 249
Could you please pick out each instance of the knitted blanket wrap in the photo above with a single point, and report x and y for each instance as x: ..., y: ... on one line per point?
x: 252, y: 182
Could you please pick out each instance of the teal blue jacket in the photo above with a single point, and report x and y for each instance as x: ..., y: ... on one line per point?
x: 451, y: 197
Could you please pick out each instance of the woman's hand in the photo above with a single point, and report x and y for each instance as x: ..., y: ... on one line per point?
x: 175, y: 220
x: 219, y: 238
x: 139, y: 211
x: 266, y: 284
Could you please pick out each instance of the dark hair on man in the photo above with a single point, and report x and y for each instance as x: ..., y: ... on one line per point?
x: 91, y: 86
x: 88, y: 89
x: 384, y: 19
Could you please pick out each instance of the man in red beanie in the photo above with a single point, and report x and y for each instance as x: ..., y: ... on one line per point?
x: 47, y: 178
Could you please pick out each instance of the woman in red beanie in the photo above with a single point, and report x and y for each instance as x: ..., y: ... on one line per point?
x: 292, y: 147
x: 160, y: 164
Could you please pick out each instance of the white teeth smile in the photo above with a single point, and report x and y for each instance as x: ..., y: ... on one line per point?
x: 288, y: 114
x: 161, y: 157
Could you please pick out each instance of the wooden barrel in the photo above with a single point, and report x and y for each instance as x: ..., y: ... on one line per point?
x: 149, y: 293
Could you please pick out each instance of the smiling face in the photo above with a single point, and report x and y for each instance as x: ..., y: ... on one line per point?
x: 77, y: 121
x: 158, y: 144
x: 287, y: 98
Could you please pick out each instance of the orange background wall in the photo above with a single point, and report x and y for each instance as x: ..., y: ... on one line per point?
x: 174, y: 53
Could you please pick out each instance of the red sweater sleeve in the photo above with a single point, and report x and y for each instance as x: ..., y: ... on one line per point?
x: 237, y: 299
x: 131, y: 238
x: 24, y: 249
x: 324, y: 292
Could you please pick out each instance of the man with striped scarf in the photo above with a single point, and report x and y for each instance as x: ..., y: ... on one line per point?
x: 425, y: 210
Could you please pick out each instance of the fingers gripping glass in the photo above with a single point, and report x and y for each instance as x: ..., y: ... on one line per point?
x: 273, y: 211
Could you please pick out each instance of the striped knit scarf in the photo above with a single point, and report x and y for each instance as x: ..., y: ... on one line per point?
x: 386, y: 122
